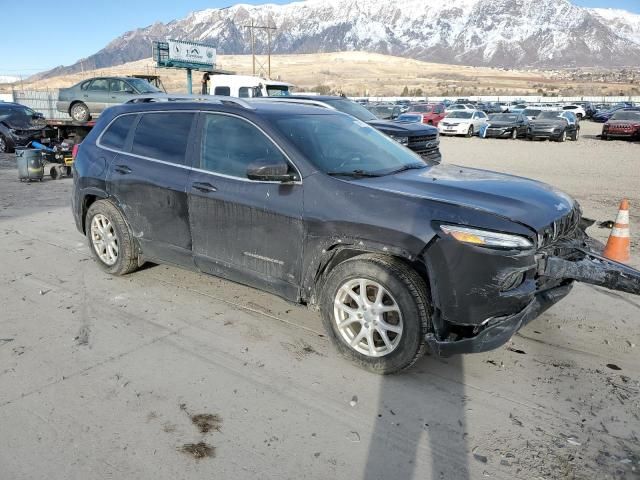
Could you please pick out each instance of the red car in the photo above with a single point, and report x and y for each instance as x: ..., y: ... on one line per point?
x: 430, y: 113
x: 622, y: 124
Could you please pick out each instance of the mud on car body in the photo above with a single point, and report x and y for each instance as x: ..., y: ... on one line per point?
x: 400, y: 254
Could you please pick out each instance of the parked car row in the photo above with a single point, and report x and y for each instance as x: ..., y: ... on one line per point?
x: 557, y: 125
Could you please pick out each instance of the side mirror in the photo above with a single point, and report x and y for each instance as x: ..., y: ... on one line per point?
x: 270, y: 171
x: 37, y: 115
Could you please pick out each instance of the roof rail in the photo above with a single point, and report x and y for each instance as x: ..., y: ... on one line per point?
x: 169, y: 97
x: 301, y: 101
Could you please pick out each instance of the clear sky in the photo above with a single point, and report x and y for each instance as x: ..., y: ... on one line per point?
x: 46, y: 33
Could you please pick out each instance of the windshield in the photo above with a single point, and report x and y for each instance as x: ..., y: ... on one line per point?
x: 421, y: 108
x: 531, y: 112
x: 382, y: 111
x: 15, y: 112
x: 342, y: 145
x: 503, y: 117
x: 460, y: 114
x: 549, y: 115
x: 278, y: 91
x: 352, y: 108
x: 626, y: 116
x: 457, y: 107
x: 142, y: 86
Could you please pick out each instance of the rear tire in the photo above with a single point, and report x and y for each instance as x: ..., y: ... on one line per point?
x: 110, y: 239
x: 80, y: 112
x: 403, y: 305
x: 575, y: 135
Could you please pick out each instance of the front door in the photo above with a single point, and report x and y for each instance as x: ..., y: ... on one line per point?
x: 245, y: 230
x: 119, y: 91
x: 149, y: 179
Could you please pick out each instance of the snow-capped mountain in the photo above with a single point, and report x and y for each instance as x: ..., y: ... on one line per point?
x: 8, y: 79
x: 627, y: 24
x: 511, y: 33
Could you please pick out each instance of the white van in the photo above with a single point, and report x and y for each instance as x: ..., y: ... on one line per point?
x: 246, y: 86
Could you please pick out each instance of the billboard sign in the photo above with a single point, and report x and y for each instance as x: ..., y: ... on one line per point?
x: 192, y: 53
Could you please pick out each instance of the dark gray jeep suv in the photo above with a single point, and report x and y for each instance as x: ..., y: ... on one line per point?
x: 401, y: 255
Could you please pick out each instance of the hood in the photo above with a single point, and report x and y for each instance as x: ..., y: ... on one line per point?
x: 450, y: 120
x: 403, y: 128
x: 502, y: 124
x: 623, y: 123
x: 547, y: 121
x: 518, y: 199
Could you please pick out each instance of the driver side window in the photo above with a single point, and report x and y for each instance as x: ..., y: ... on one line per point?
x: 230, y: 145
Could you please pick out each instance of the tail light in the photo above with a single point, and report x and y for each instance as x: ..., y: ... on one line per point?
x: 74, y: 150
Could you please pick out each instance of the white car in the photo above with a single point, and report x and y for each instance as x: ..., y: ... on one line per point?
x: 463, y: 122
x: 458, y: 106
x: 578, y: 110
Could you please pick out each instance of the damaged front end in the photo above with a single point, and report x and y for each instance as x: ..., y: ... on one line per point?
x: 564, y: 253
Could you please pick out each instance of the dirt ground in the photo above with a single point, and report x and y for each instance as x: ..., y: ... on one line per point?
x: 167, y: 374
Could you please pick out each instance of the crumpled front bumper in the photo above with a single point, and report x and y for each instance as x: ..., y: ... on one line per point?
x: 584, y: 265
x: 501, y: 329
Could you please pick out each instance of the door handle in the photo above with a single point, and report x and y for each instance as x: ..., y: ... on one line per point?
x: 123, y: 169
x: 204, y: 187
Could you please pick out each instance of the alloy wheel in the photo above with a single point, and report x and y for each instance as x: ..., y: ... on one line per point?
x: 104, y: 239
x: 367, y: 317
x: 3, y: 145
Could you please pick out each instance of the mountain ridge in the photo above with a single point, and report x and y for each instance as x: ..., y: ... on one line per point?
x: 504, y: 33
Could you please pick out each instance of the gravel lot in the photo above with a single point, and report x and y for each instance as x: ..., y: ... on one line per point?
x: 104, y: 377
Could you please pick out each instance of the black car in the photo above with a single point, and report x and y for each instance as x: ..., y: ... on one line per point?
x: 422, y: 139
x: 19, y: 125
x: 507, y: 125
x: 400, y: 254
x: 554, y: 125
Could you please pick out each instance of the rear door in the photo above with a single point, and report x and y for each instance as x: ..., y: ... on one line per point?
x: 96, y: 96
x: 148, y: 180
x: 246, y: 230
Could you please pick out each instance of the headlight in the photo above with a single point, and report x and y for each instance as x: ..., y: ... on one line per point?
x: 485, y: 238
x: 400, y: 140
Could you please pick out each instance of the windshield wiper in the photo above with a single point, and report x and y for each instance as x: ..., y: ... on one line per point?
x: 411, y: 166
x: 353, y: 173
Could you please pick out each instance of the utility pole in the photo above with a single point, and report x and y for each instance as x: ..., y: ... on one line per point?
x: 268, y: 29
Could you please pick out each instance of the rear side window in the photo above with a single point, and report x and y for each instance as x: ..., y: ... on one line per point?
x: 116, y: 134
x: 163, y: 136
x: 244, y: 92
x: 224, y: 91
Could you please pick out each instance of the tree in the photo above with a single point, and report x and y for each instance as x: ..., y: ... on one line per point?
x: 405, y: 92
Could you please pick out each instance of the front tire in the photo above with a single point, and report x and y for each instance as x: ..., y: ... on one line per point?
x: 110, y: 239
x: 4, y: 145
x: 514, y: 134
x: 375, y: 310
x: 80, y: 112
x: 563, y: 136
x: 470, y: 131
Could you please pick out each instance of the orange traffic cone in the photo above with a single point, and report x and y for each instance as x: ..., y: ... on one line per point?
x: 619, y: 244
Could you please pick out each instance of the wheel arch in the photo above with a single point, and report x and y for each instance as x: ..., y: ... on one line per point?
x: 89, y: 198
x: 338, y: 253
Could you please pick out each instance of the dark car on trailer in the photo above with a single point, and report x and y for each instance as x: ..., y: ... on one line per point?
x: 556, y: 125
x: 422, y: 139
x: 507, y: 125
x: 19, y: 125
x: 400, y: 254
x: 623, y: 124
